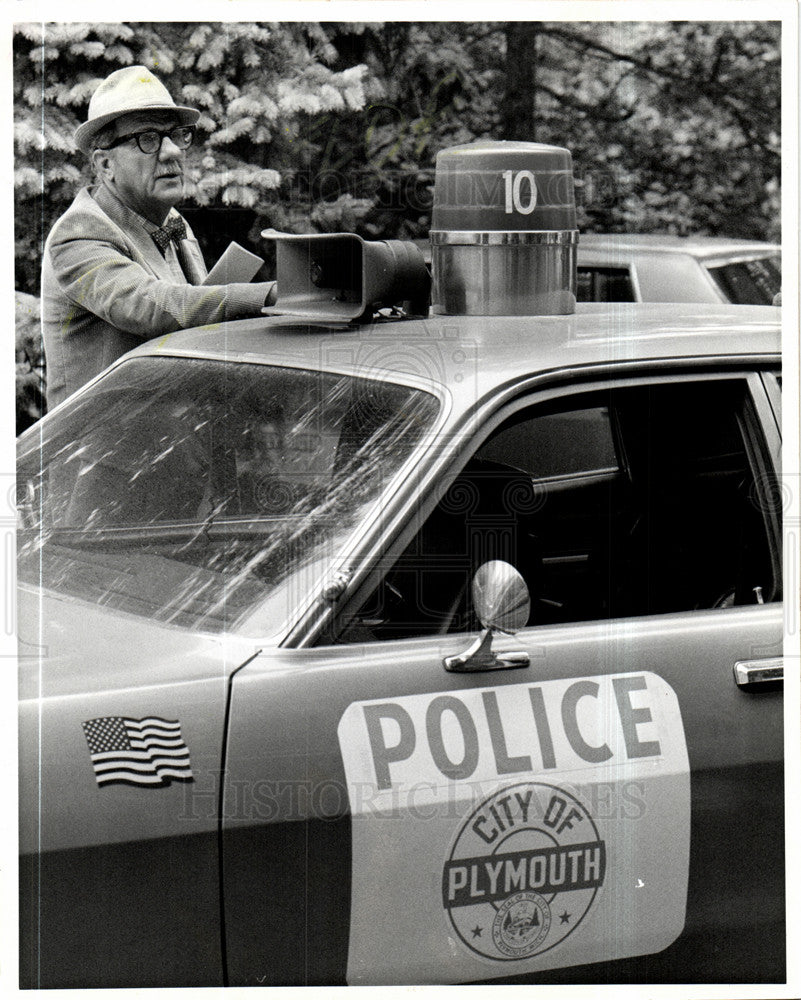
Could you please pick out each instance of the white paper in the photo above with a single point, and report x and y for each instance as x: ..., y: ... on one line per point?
x: 236, y: 265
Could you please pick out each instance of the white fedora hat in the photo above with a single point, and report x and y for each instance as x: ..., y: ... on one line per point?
x: 122, y: 92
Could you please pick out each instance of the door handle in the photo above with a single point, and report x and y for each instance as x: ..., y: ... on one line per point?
x: 750, y: 672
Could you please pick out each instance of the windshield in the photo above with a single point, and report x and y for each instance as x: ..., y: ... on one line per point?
x: 749, y: 282
x: 186, y: 491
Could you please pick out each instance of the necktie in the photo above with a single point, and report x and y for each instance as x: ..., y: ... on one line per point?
x: 174, y: 231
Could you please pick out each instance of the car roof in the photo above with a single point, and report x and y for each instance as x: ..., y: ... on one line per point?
x: 703, y: 247
x: 472, y: 354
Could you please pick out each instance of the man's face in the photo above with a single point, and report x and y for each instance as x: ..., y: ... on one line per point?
x: 149, y: 183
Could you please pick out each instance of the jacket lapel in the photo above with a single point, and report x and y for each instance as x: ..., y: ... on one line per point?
x: 191, y: 248
x: 134, y: 232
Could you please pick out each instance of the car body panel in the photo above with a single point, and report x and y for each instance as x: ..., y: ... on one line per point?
x: 471, y: 356
x: 657, y: 277
x: 299, y: 799
x: 701, y: 247
x: 138, y: 864
x: 271, y: 867
x: 286, y: 787
x: 670, y: 268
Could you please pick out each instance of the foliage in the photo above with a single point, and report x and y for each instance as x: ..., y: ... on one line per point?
x: 29, y: 361
x: 681, y: 121
x: 674, y: 127
x: 256, y: 87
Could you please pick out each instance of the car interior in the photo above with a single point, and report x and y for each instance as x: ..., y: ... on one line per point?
x: 633, y: 501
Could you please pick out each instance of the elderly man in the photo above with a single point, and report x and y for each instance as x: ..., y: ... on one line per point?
x: 121, y: 265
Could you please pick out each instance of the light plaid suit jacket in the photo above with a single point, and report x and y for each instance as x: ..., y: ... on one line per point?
x: 107, y: 288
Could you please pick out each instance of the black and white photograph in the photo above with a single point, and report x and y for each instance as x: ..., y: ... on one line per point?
x: 402, y: 555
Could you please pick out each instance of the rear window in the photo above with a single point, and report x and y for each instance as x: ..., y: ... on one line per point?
x: 605, y: 284
x: 749, y: 282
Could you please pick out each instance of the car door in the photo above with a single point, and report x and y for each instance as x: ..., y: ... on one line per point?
x: 615, y: 800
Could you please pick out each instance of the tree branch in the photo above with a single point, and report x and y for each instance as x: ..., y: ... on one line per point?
x: 588, y: 109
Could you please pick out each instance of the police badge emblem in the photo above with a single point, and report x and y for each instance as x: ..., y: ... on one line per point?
x: 523, y: 872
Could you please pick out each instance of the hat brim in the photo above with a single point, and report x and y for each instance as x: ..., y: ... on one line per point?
x: 84, y: 134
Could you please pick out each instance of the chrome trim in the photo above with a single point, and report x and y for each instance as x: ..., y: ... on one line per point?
x: 484, y: 238
x: 504, y: 274
x: 479, y: 656
x: 634, y: 277
x: 748, y: 672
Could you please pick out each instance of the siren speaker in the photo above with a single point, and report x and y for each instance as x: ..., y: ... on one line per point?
x: 343, y: 277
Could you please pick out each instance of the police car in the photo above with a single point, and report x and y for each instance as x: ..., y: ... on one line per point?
x: 433, y: 646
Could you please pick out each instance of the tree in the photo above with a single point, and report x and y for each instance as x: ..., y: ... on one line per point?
x: 519, y: 110
x: 30, y: 380
x: 255, y: 84
x: 674, y: 127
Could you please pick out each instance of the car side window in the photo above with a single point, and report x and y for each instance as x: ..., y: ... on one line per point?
x: 555, y: 445
x: 630, y: 501
x: 605, y: 284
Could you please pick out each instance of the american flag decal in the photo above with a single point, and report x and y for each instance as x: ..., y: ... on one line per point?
x: 137, y: 751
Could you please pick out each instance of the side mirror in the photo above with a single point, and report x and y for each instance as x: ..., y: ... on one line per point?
x: 500, y: 597
x: 502, y: 603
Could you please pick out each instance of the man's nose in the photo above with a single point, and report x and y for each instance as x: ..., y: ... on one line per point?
x: 169, y: 150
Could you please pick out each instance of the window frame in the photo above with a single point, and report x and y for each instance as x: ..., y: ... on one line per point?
x: 597, y: 474
x: 762, y: 446
x: 772, y: 381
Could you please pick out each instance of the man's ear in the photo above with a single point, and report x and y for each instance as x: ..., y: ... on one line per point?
x: 103, y: 164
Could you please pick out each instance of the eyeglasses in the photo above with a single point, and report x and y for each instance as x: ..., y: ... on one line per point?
x: 151, y: 139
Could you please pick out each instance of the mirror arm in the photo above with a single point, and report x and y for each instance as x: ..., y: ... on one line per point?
x: 480, y: 656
